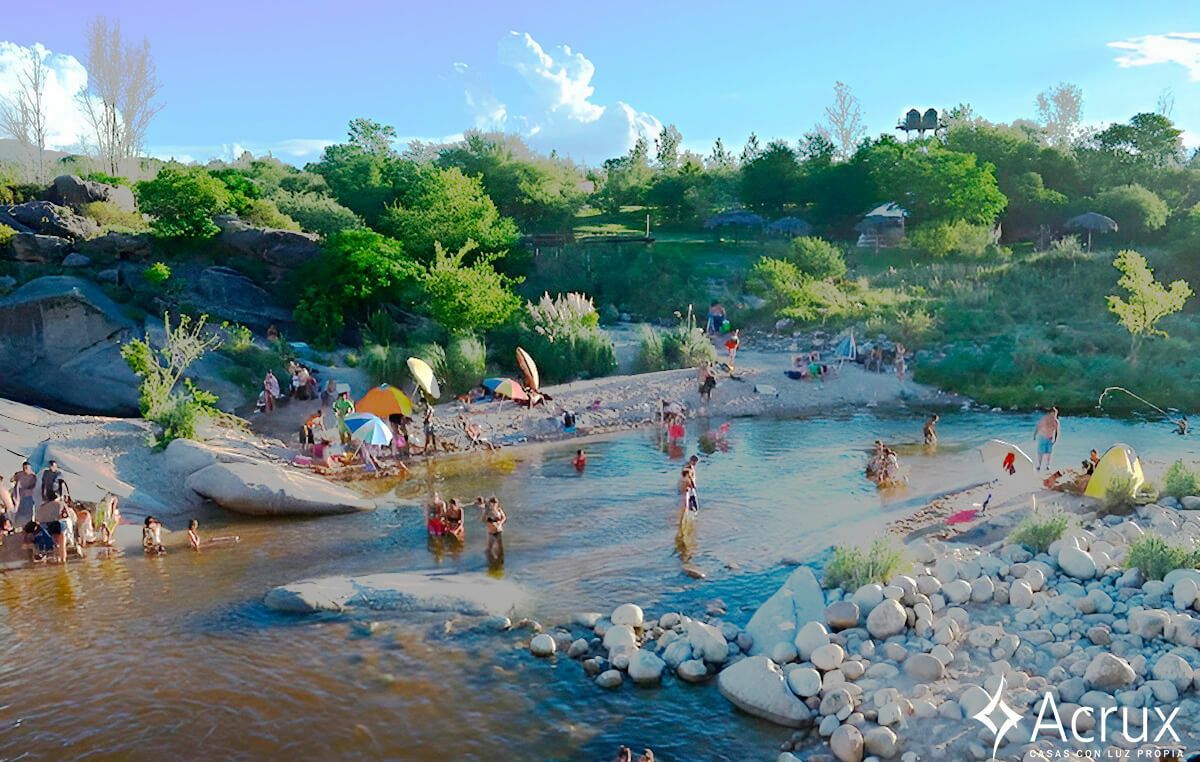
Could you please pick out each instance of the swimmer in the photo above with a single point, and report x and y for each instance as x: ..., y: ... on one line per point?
x: 435, y: 512
x: 494, y: 517
x: 579, y: 461
x: 452, y: 518
x: 193, y: 538
x: 930, y: 429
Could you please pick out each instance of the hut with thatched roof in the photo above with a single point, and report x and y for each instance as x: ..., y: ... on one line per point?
x: 882, y: 227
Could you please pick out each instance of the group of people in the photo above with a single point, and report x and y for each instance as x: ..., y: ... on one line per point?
x: 625, y: 754
x: 876, y: 363
x: 883, y: 466
x: 807, y: 366
x: 447, y: 519
x: 303, y: 386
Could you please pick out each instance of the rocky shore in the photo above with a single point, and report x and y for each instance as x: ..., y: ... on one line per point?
x: 902, y: 670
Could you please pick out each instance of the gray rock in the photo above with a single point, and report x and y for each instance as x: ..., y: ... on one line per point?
x: 881, y: 742
x: 284, y: 249
x: 1075, y: 562
x: 798, y: 601
x: 114, y: 246
x: 756, y: 686
x: 51, y: 219
x: 644, y: 667
x: 542, y: 645
x: 841, y: 615
x: 923, y: 668
x: 75, y: 259
x: 692, y: 671
x: 1108, y: 672
x: 578, y: 648
x: 610, y: 679
x: 39, y: 249
x: 467, y: 594
x: 265, y: 489
x: 886, y: 619
x: 74, y: 192
x: 847, y: 744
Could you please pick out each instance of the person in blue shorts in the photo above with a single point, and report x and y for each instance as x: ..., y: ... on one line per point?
x: 1046, y: 434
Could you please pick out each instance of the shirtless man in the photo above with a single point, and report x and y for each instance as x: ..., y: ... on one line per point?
x: 1046, y: 434
x: 930, y: 429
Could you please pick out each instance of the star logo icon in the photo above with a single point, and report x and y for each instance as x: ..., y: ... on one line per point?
x: 1011, y: 718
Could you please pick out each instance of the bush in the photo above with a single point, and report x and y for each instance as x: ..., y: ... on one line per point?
x: 564, y: 337
x: 317, y: 214
x: 651, y: 356
x: 183, y: 201
x: 940, y: 239
x: 262, y: 213
x: 157, y: 274
x: 109, y: 216
x: 382, y: 362
x: 1037, y: 530
x: 1135, y: 209
x: 851, y: 566
x: 1067, y: 247
x: 1118, y: 495
x: 1155, y: 558
x: 466, y: 358
x: 1180, y: 481
x: 686, y: 346
x: 107, y: 179
x: 467, y: 298
x: 817, y: 257
x: 7, y: 234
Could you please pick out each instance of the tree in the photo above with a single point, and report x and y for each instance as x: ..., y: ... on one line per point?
x: 844, y: 126
x: 751, y: 150
x: 372, y: 138
x: 1149, y: 302
x: 771, y: 181
x: 183, y: 201
x: 1136, y: 210
x: 119, y: 101
x: 720, y: 158
x: 817, y: 258
x: 934, y: 184
x: 24, y: 118
x: 1148, y: 139
x: 1060, y: 110
x: 357, y: 271
x: 625, y: 178
x: 666, y: 147
x: 467, y: 298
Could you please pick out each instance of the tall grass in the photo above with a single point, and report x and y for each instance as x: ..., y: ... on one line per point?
x: 1155, y: 557
x: 1037, y: 530
x: 852, y: 566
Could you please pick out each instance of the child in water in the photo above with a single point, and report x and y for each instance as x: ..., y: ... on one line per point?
x: 193, y: 537
x: 579, y: 461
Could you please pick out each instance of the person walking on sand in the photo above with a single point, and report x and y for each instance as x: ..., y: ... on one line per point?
x: 271, y: 387
x: 900, y: 367
x: 930, y: 429
x: 430, y: 434
x: 493, y: 516
x: 343, y: 407
x: 716, y: 317
x: 1046, y: 435
x: 731, y: 346
x: 708, y: 381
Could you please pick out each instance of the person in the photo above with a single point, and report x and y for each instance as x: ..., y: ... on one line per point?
x: 708, y: 382
x: 1089, y: 465
x: 875, y: 462
x: 272, y: 333
x: 731, y: 346
x: 568, y: 422
x: 435, y: 513
x: 693, y: 463
x: 399, y: 443
x: 891, y: 466
x: 1045, y: 433
x: 308, y: 432
x: 430, y: 435
x: 328, y: 396
x: 85, y: 530
x: 647, y: 756
x: 493, y: 516
x: 579, y: 461
x: 320, y: 453
x: 1181, y: 426
x: 624, y: 754
x: 107, y: 518
x: 152, y: 537
x: 54, y: 486
x: 716, y: 317
x: 343, y: 407
x: 900, y: 367
x: 930, y: 429
x: 39, y: 540
x: 271, y: 387
x: 453, y: 520
x: 25, y: 485
x: 879, y: 368
x: 193, y: 536
x: 687, y: 488
x: 61, y: 531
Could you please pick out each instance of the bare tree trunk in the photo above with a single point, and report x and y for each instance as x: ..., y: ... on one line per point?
x: 25, y: 118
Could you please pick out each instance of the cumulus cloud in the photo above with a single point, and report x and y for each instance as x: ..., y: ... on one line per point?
x: 561, y: 113
x: 1181, y: 48
x: 65, y: 121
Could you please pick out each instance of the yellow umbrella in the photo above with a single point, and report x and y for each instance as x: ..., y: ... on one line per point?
x: 529, y: 367
x: 384, y: 401
x: 423, y: 375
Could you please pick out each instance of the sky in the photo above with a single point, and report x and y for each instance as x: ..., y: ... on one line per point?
x: 587, y: 79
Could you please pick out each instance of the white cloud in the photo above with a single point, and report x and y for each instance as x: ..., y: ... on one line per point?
x: 292, y: 150
x: 1181, y: 48
x: 561, y: 114
x: 65, y: 121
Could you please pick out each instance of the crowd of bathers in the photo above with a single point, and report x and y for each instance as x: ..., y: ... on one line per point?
x: 446, y: 520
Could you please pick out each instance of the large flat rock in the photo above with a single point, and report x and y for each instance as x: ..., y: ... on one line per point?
x: 468, y: 594
x: 265, y: 489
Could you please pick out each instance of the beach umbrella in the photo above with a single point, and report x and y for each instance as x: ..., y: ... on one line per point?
x: 491, y: 383
x: 511, y: 389
x: 384, y: 401
x: 368, y: 429
x: 423, y: 375
x: 529, y: 368
x: 793, y: 226
x: 1092, y: 221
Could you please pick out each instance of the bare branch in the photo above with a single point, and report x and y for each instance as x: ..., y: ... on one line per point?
x: 844, y: 126
x: 24, y: 118
x: 1060, y: 110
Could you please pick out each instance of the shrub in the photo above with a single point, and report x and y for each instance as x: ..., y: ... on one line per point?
x: 467, y: 298
x: 1155, y: 558
x: 913, y: 325
x: 651, y: 356
x: 382, y: 362
x: 564, y: 337
x: 7, y: 234
x: 107, y: 179
x: 851, y: 566
x: 157, y: 274
x: 435, y: 356
x: 1135, y: 209
x: 317, y: 214
x: 686, y: 346
x: 1180, y: 481
x: 237, y: 337
x: 1037, y: 530
x: 263, y: 213
x: 109, y: 216
x: 466, y: 358
x: 1118, y: 495
x: 817, y: 257
x: 940, y: 239
x: 183, y: 201
x: 1067, y: 247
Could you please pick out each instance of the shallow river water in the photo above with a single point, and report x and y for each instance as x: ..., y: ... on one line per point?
x: 175, y: 657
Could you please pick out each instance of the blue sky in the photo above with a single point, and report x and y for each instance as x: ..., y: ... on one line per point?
x: 288, y: 76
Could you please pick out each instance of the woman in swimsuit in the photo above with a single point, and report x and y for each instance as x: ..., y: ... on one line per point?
x: 453, y: 520
x: 435, y: 521
x: 579, y: 461
x: 152, y: 537
x: 493, y: 516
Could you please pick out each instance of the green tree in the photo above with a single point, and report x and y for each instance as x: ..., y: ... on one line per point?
x: 817, y: 257
x: 183, y: 201
x: 372, y: 138
x: 1147, y: 139
x: 666, y: 147
x: 935, y: 184
x: 771, y: 181
x: 1148, y: 303
x: 449, y: 208
x: 467, y: 298
x: 316, y: 214
x: 1137, y: 210
x: 624, y: 179
x: 357, y: 271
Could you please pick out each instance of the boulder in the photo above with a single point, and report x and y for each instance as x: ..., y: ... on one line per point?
x: 620, y: 638
x: 677, y: 652
x: 1108, y: 672
x: 881, y: 742
x: 841, y: 615
x: 114, y: 246
x: 886, y: 619
x: 811, y: 637
x: 757, y: 686
x: 75, y: 259
x: 542, y: 645
x: 1149, y: 623
x: 846, y: 743
x: 629, y: 614
x: 1076, y: 563
x: 51, y: 219
x: 60, y: 343
x: 229, y: 294
x: 707, y: 642
x: 799, y: 601
x: 644, y: 667
x: 283, y: 249
x: 804, y: 682
x: 610, y: 679
x: 923, y: 668
x: 265, y: 489
x: 39, y: 249
x: 1173, y: 669
x: 466, y: 594
x: 692, y: 671
x: 828, y: 656
x: 74, y: 192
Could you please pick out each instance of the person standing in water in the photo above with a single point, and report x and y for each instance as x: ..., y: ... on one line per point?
x: 579, y: 461
x: 493, y: 516
x: 1046, y: 434
x: 435, y: 516
x: 452, y: 519
x: 930, y: 429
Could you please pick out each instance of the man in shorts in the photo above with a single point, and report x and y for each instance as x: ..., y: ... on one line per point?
x: 1046, y: 433
x: 26, y: 488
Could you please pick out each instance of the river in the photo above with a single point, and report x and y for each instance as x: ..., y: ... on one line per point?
x: 175, y: 657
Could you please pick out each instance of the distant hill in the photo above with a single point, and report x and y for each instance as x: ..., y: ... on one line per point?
x: 10, y: 150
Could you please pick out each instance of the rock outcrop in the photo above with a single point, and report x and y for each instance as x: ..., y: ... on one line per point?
x: 282, y: 249
x: 48, y: 219
x: 39, y: 249
x: 114, y: 246
x: 61, y: 348
x: 72, y: 191
x: 229, y: 294
x: 265, y: 489
x: 468, y: 594
x: 780, y: 619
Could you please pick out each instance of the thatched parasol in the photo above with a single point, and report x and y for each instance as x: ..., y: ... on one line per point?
x: 790, y: 226
x: 1092, y: 221
x: 734, y: 217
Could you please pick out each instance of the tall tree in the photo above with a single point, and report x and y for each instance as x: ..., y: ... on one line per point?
x: 119, y: 100
x: 752, y: 150
x: 666, y: 147
x: 843, y: 126
x: 373, y: 138
x: 1060, y: 110
x: 1149, y: 301
x: 24, y: 117
x: 720, y: 158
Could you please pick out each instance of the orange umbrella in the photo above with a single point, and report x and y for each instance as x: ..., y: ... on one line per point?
x: 512, y: 390
x: 529, y: 368
x: 383, y: 401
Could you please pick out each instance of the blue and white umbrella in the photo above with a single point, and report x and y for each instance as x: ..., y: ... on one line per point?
x: 369, y: 429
